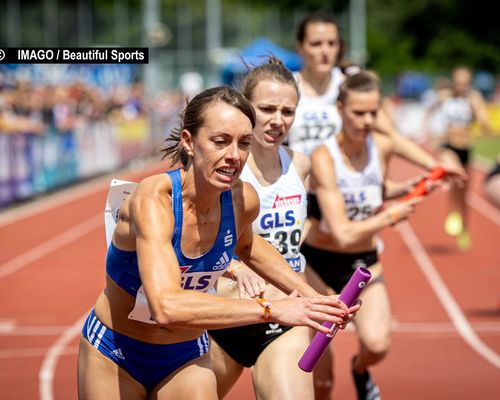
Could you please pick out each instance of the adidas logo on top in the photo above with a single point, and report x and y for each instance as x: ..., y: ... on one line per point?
x: 222, y: 263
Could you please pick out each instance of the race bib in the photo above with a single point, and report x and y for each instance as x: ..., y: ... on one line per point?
x: 117, y: 193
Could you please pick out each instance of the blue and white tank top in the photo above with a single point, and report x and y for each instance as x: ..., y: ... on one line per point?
x: 202, y: 272
x: 283, y: 211
x: 362, y: 190
x: 316, y: 117
x: 199, y: 273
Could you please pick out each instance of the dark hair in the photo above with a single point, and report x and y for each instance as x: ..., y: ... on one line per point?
x: 193, y: 117
x: 363, y: 81
x: 272, y: 70
x: 319, y: 16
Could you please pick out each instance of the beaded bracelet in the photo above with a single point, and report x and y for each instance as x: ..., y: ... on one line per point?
x: 266, y: 316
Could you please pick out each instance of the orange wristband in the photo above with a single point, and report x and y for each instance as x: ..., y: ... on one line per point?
x: 232, y: 269
x: 266, y: 316
x: 393, y: 217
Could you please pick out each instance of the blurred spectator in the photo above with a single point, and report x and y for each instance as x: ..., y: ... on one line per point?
x: 485, y: 82
x: 60, y: 125
x: 411, y: 85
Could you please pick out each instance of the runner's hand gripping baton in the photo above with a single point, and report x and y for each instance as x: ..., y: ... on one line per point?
x: 422, y: 188
x: 321, y: 340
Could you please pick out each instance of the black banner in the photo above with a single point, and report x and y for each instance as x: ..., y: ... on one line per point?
x: 74, y: 55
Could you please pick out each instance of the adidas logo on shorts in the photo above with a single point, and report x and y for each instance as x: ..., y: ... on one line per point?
x: 118, y: 354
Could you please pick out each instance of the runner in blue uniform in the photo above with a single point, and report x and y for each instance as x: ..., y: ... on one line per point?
x: 176, y: 234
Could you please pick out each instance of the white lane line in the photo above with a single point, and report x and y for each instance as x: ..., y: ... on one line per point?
x: 32, y: 352
x: 12, y: 329
x: 53, y: 201
x: 451, y: 307
x: 46, y: 374
x: 73, y: 193
x: 483, y: 207
x: 441, y: 327
x: 51, y: 245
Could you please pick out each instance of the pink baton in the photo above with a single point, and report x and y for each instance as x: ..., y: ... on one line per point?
x: 321, y: 340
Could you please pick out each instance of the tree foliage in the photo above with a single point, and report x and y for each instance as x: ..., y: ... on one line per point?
x: 429, y: 35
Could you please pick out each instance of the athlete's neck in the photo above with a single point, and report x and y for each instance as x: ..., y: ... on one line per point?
x: 265, y: 165
x: 314, y: 84
x: 355, y: 151
x: 205, y: 199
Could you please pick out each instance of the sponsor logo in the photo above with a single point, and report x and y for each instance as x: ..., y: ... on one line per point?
x: 195, y: 280
x: 287, y: 200
x: 228, y: 239
x: 223, y: 263
x: 118, y: 354
x: 274, y: 328
x: 201, y: 281
x: 277, y: 220
x: 185, y: 268
x: 295, y: 263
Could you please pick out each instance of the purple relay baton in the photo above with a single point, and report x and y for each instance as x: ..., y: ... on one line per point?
x: 321, y: 340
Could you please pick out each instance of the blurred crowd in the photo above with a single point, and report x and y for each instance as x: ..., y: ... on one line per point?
x: 52, y: 134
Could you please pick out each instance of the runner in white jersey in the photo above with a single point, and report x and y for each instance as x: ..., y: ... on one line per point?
x: 362, y: 190
x: 279, y: 175
x: 348, y: 185
x: 464, y: 106
x: 316, y: 117
x: 320, y: 43
x: 283, y: 210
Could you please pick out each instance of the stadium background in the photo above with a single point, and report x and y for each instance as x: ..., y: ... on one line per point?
x: 87, y: 121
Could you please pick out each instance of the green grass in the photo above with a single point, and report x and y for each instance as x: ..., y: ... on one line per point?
x: 487, y: 147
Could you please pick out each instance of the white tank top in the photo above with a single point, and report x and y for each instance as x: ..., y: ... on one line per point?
x: 316, y: 117
x: 362, y: 190
x: 283, y: 211
x: 457, y: 111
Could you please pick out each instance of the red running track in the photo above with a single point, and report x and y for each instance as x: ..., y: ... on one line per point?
x: 446, y: 303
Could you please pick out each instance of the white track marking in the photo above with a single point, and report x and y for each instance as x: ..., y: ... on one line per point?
x: 49, y: 202
x: 451, y: 307
x: 483, y: 207
x: 10, y: 328
x: 32, y: 352
x: 51, y: 245
x: 46, y: 374
x: 52, y: 201
x: 13, y: 330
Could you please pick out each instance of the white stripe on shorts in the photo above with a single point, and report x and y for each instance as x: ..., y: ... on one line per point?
x: 205, y: 340
x: 99, y: 337
x: 94, y: 331
x: 200, y: 345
